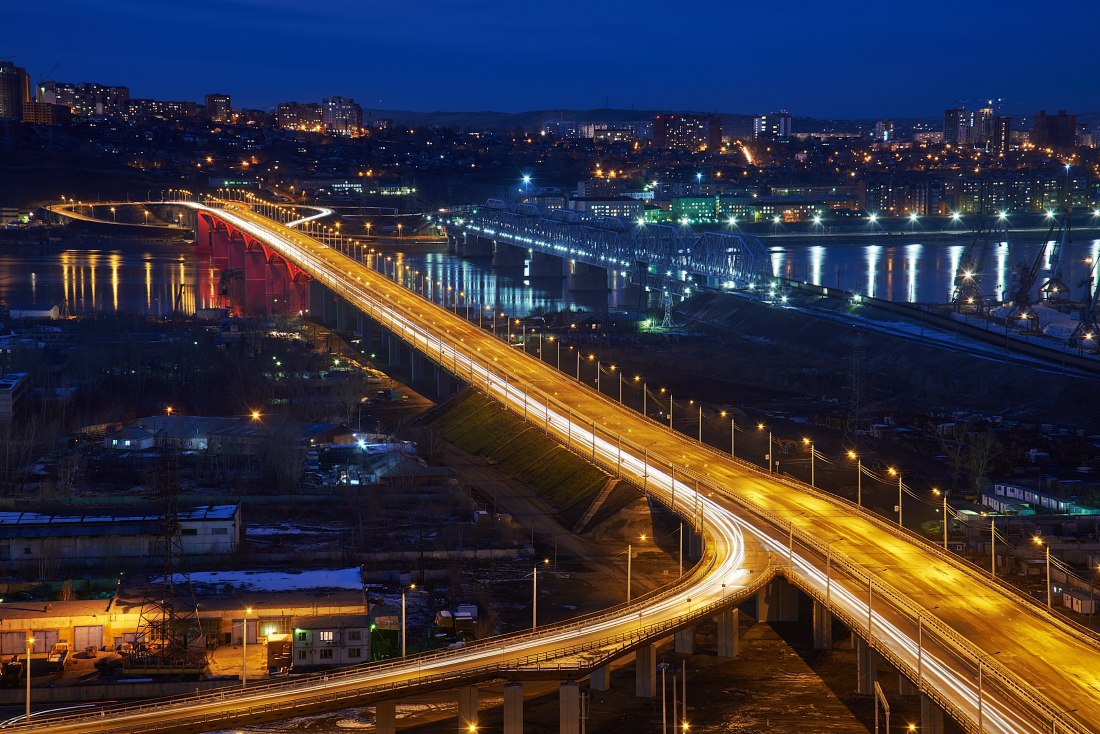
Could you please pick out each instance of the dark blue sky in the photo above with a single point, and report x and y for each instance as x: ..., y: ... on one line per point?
x: 854, y: 59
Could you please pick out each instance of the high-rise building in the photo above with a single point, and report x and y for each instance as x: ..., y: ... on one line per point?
x: 687, y: 132
x: 15, y: 90
x: 305, y: 116
x: 1054, y: 131
x: 341, y: 116
x: 954, y: 127
x: 773, y: 126
x: 969, y: 128
x: 884, y: 131
x: 218, y: 108
x: 1002, y: 134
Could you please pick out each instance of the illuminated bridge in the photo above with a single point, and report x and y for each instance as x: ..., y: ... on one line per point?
x: 970, y: 646
x: 648, y: 253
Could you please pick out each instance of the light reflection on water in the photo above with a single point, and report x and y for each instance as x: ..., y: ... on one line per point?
x: 929, y: 269
x: 155, y: 278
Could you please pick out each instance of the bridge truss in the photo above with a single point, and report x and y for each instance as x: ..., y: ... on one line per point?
x: 717, y: 259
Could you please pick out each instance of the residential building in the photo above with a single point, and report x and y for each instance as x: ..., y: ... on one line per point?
x: 86, y: 98
x: 687, y: 132
x: 773, y: 126
x: 306, y: 116
x: 1058, y: 132
x: 158, y: 109
x: 1002, y: 134
x: 330, y: 640
x: 218, y: 108
x: 884, y: 131
x: 341, y: 116
x: 565, y: 129
x: 15, y: 90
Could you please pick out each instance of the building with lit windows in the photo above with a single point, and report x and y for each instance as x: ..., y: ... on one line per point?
x: 218, y: 107
x: 341, y: 116
x: 687, y: 132
x: 15, y: 90
x: 694, y: 209
x: 622, y: 206
x: 773, y: 126
x: 158, y: 109
x: 87, y: 98
x: 304, y: 116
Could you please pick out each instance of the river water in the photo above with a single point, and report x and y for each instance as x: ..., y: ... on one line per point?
x: 155, y: 278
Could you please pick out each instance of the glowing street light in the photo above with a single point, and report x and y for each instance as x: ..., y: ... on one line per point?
x: 1046, y: 546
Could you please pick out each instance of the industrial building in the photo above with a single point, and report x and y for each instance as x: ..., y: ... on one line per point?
x: 32, y: 540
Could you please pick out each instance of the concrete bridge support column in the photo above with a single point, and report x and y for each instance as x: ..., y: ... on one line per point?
x: 513, y: 708
x: 906, y: 687
x: 585, y: 277
x: 467, y: 708
x: 569, y: 708
x: 729, y: 633
x: 931, y: 716
x: 866, y: 668
x: 600, y: 679
x: 472, y: 246
x: 645, y: 672
x: 685, y: 641
x: 385, y: 717
x: 823, y: 627
x: 777, y: 602
x: 418, y: 366
x: 343, y: 311
x: 546, y: 267
x: 508, y: 259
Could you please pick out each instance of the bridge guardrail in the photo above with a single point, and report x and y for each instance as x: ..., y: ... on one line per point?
x: 745, y: 502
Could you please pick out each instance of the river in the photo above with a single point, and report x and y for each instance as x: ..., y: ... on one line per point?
x: 154, y: 277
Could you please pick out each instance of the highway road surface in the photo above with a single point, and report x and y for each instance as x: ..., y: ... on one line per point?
x: 978, y: 648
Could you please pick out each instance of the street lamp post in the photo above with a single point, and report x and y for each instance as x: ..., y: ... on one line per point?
x: 30, y: 644
x: 244, y: 648
x: 760, y: 426
x: 897, y: 472
x: 1046, y: 547
x: 403, y: 618
x: 859, y: 477
x: 534, y: 597
x: 810, y: 443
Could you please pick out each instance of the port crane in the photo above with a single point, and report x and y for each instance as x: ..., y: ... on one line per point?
x: 968, y: 275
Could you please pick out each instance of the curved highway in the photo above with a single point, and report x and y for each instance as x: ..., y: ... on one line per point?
x: 995, y: 661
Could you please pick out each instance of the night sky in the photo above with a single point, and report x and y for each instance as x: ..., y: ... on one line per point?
x: 825, y: 59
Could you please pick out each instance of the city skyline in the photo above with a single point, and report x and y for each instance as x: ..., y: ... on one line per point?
x: 604, y: 57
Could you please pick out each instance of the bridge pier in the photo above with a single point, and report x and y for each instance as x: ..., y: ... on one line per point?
x: 777, y: 602
x: 507, y: 258
x: 585, y: 277
x: 823, y: 627
x: 544, y: 266
x: 569, y: 708
x: 685, y: 641
x: 600, y: 680
x: 513, y: 708
x: 729, y: 633
x: 866, y: 668
x: 473, y: 246
x: 385, y: 717
x: 645, y: 671
x: 931, y: 716
x: 467, y: 708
